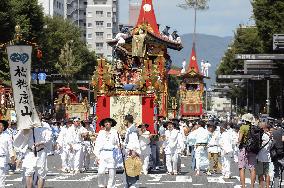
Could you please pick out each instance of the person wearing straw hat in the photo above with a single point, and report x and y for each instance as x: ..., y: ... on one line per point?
x: 144, y: 140
x: 246, y: 159
x: 105, y: 150
x: 6, y: 151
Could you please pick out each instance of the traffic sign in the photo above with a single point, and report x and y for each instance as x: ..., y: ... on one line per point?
x: 259, y: 56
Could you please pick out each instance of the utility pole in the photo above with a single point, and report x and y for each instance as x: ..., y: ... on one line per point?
x: 268, y: 96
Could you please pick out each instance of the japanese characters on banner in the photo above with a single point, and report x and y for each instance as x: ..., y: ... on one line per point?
x: 20, y: 69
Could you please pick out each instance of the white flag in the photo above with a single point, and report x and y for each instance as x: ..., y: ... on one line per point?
x: 20, y: 69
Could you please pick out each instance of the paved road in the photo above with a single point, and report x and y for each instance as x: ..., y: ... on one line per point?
x: 56, y: 179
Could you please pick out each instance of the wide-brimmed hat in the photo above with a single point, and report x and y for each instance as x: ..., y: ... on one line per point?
x: 113, y: 122
x: 248, y: 117
x: 5, y: 124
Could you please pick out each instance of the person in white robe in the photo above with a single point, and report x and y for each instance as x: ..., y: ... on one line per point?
x: 35, y: 142
x: 144, y: 140
x: 202, y: 137
x: 106, y: 147
x: 6, y: 152
x: 75, y: 136
x: 214, y: 149
x: 64, y: 148
x: 172, y: 137
x: 226, y: 146
x: 132, y: 147
x: 87, y: 145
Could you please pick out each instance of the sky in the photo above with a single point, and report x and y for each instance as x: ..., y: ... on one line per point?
x: 221, y: 19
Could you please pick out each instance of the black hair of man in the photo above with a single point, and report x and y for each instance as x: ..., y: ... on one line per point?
x: 129, y: 118
x: 201, y: 123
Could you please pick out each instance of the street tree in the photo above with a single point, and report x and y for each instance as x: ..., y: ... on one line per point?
x: 269, y: 19
x: 67, y: 65
x: 196, y: 4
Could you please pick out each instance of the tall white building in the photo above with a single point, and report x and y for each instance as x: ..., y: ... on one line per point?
x: 53, y: 7
x: 76, y: 13
x: 102, y: 25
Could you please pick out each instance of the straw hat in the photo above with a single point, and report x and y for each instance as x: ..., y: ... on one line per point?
x: 133, y: 166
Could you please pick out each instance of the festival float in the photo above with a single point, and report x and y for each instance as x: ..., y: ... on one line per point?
x: 67, y: 105
x: 191, y: 88
x: 7, y: 106
x: 135, y: 82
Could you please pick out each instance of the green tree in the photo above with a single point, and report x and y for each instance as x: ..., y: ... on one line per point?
x: 7, y: 26
x: 246, y: 41
x: 29, y: 15
x: 67, y: 65
x: 269, y: 19
x: 56, y: 34
x: 198, y: 4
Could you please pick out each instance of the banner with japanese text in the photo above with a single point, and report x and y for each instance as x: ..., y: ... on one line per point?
x: 20, y: 69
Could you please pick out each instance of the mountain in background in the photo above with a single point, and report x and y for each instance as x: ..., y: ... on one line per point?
x: 208, y: 47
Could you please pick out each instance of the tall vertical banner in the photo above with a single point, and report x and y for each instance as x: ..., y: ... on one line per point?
x: 20, y: 69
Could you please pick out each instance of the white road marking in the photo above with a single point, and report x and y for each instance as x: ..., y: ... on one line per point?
x: 215, y: 180
x: 181, y: 179
x: 157, y: 177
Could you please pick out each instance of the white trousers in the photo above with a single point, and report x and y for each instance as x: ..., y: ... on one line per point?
x: 226, y: 165
x: 2, y: 177
x: 201, y: 158
x: 76, y: 163
x: 66, y: 155
x: 145, y: 159
x: 104, y: 181
x: 171, y: 162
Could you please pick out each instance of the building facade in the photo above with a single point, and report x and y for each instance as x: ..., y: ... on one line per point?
x: 53, y: 7
x: 101, y: 25
x: 76, y: 13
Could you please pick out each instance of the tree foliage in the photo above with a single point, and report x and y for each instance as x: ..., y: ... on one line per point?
x: 67, y: 65
x: 198, y: 4
x: 246, y: 41
x: 269, y: 19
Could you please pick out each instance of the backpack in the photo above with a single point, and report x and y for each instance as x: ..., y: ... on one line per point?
x: 276, y: 150
x: 254, y: 139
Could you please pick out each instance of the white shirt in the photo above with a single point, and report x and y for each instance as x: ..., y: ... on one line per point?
x: 6, y: 149
x: 264, y: 153
x: 62, y: 137
x: 74, y: 135
x: 171, y: 142
x: 213, y: 144
x: 106, y: 141
x: 131, y: 139
x: 201, y: 135
x: 144, y: 140
x: 226, y: 143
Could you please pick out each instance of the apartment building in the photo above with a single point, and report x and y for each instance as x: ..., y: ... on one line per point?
x: 53, y: 7
x: 102, y: 25
x: 76, y: 13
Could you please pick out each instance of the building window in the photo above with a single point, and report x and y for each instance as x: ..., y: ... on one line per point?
x: 99, y: 24
x: 99, y: 13
x: 89, y: 14
x: 99, y: 45
x: 109, y: 14
x: 108, y: 24
x: 90, y: 36
x: 109, y: 36
x: 100, y: 35
x: 85, y: 3
x: 90, y: 25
